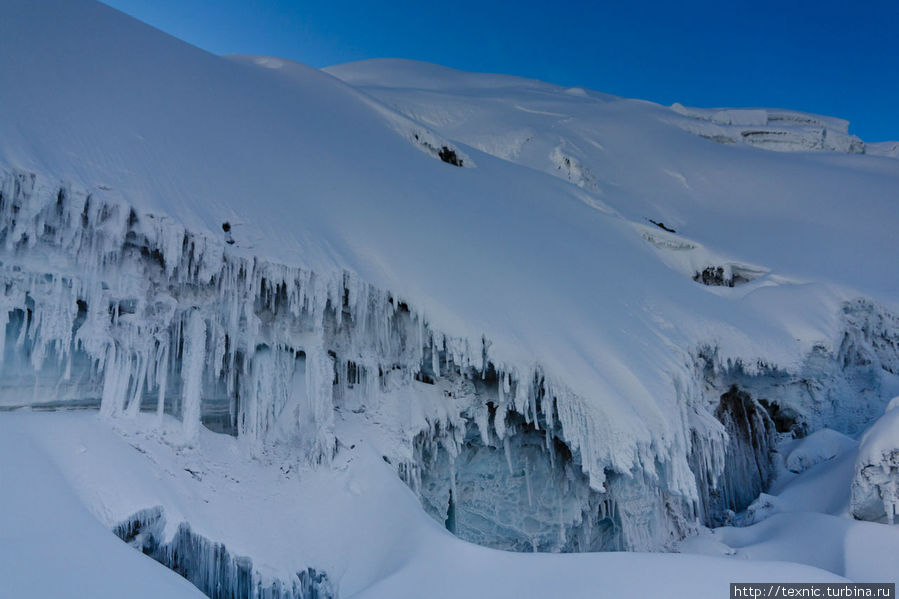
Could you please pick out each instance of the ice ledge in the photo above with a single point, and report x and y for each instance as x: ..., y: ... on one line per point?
x: 105, y: 305
x: 779, y: 130
x: 211, y: 567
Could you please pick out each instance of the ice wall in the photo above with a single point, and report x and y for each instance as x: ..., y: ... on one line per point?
x: 516, y: 485
x: 128, y: 312
x: 875, y: 487
x: 778, y: 130
x: 211, y: 567
x: 841, y: 388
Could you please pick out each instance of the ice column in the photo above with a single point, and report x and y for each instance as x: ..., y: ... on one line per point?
x: 192, y: 373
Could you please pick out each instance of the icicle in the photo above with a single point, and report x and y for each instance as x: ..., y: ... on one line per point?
x: 435, y: 356
x: 453, y: 489
x: 110, y: 372
x: 20, y: 340
x: 481, y: 418
x: 117, y: 373
x: 527, y: 480
x: 192, y: 373
x: 319, y: 377
x: 499, y: 421
x: 162, y: 370
x: 134, y: 405
x: 4, y: 321
x: 507, y: 450
x: 521, y: 398
x: 419, y: 348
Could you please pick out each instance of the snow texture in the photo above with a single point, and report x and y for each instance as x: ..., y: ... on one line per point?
x: 52, y: 546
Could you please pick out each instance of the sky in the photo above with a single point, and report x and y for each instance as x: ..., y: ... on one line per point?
x: 837, y: 58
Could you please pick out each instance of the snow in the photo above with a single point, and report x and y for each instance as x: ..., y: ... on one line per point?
x: 821, y: 445
x: 875, y: 487
x: 192, y: 243
x: 51, y: 546
x: 356, y: 521
x: 779, y: 130
x: 807, y: 519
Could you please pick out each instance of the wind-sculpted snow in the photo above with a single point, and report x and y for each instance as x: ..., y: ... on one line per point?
x: 842, y: 389
x: 806, y: 518
x: 820, y: 446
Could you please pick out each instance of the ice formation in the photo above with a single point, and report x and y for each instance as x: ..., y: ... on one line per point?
x: 875, y: 487
x: 140, y: 314
x: 211, y: 567
x: 779, y: 130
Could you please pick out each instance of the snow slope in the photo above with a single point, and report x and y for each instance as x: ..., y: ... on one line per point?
x: 786, y: 214
x: 51, y: 546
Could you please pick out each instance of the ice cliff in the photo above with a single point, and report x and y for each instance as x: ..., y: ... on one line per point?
x: 566, y: 323
x: 139, y: 314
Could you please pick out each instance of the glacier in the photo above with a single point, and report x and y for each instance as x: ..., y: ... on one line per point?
x: 133, y: 321
x: 562, y: 321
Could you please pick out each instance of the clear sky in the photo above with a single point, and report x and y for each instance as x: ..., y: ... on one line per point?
x: 838, y: 58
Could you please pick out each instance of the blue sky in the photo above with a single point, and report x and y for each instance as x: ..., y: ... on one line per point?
x: 839, y: 58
